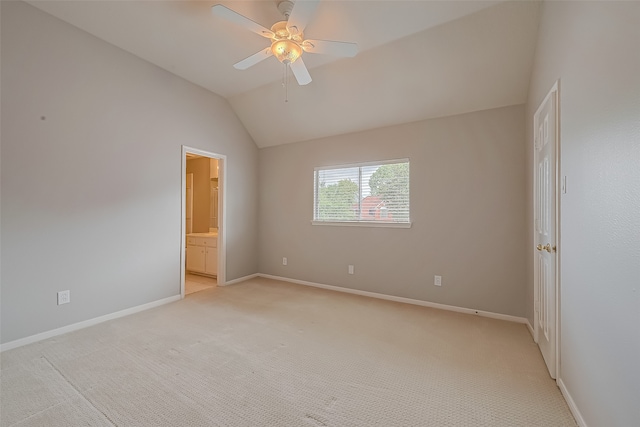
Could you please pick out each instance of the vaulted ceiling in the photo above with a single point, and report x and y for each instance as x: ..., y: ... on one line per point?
x: 416, y: 60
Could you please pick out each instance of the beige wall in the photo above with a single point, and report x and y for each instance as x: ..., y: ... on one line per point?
x: 593, y: 48
x: 91, y: 196
x: 467, y: 207
x: 201, y: 193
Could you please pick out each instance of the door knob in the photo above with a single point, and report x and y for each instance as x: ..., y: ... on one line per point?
x: 546, y: 247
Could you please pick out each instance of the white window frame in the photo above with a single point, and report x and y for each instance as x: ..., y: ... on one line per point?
x: 358, y: 223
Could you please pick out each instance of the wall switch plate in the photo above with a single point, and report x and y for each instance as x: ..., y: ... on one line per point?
x: 437, y: 280
x: 284, y: 261
x: 351, y: 269
x: 64, y: 297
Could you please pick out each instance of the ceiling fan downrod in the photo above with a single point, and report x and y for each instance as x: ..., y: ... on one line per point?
x: 285, y: 7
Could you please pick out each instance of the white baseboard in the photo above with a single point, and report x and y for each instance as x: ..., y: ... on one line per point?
x: 400, y: 299
x: 85, y: 324
x: 572, y: 405
x: 239, y: 279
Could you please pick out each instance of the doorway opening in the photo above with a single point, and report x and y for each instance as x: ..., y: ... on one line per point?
x: 203, y: 237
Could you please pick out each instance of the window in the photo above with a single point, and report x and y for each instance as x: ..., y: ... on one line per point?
x: 365, y: 193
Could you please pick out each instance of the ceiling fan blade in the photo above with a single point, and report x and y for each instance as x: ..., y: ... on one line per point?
x: 243, y: 21
x: 330, y: 47
x: 253, y: 59
x: 300, y: 72
x: 300, y: 15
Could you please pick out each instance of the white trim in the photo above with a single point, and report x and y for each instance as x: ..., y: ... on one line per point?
x: 400, y: 299
x: 558, y: 228
x: 222, y: 220
x: 183, y: 216
x: 239, y: 279
x: 222, y: 210
x: 86, y: 323
x: 571, y: 403
x: 363, y: 224
x: 531, y: 331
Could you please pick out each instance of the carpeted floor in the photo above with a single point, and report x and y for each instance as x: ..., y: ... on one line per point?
x: 267, y: 353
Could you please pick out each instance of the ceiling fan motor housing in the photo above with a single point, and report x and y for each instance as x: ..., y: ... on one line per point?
x: 281, y: 32
x: 284, y: 46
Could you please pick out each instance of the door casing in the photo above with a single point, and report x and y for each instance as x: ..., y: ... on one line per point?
x: 222, y: 235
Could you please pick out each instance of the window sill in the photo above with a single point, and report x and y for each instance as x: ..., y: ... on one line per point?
x: 363, y: 224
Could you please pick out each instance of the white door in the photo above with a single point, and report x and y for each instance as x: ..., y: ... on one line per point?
x: 545, y: 126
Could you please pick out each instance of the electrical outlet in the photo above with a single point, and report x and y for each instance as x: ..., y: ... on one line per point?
x: 351, y: 269
x: 437, y: 280
x: 284, y: 261
x: 64, y: 297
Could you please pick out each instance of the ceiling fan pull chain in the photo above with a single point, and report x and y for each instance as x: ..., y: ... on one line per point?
x: 286, y: 95
x: 285, y: 82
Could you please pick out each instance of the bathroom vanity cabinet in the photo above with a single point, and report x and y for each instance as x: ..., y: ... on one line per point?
x: 202, y: 253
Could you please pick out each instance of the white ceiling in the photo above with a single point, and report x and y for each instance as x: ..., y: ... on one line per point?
x: 418, y: 59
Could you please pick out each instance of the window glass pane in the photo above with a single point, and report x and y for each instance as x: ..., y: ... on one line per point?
x: 337, y: 194
x: 389, y: 189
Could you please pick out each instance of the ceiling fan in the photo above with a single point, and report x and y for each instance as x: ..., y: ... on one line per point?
x: 287, y: 38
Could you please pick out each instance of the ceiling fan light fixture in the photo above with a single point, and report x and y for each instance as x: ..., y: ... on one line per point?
x: 287, y: 38
x: 287, y: 51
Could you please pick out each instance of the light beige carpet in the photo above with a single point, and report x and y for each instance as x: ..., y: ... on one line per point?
x: 266, y: 353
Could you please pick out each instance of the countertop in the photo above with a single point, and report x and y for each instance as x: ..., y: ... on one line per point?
x: 209, y: 234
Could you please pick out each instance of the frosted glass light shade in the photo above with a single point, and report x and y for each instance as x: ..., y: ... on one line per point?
x: 287, y: 51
